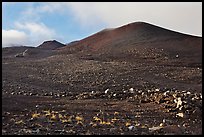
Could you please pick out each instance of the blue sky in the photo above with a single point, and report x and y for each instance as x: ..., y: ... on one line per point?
x: 31, y: 23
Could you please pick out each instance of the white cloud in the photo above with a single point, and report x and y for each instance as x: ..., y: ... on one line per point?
x: 87, y: 14
x: 38, y: 32
x: 14, y: 37
x: 51, y: 7
x: 34, y: 13
x: 35, y: 28
x: 185, y: 17
x: 27, y: 33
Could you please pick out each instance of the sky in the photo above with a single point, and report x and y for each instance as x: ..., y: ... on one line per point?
x: 31, y: 23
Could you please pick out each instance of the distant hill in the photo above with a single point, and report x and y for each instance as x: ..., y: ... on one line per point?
x: 51, y: 45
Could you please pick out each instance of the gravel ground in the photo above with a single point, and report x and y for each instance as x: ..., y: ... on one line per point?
x: 70, y: 95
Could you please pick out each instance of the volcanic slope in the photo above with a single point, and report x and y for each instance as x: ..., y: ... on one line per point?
x: 140, y: 40
x: 164, y: 57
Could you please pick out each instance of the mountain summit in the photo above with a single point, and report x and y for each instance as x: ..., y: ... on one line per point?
x: 51, y: 45
x: 139, y: 40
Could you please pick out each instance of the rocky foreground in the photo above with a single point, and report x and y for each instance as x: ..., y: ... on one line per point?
x: 140, y: 112
x: 96, y: 100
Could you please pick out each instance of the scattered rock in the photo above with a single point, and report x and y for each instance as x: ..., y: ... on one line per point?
x: 155, y: 128
x: 131, y: 128
x: 106, y: 91
x: 131, y: 90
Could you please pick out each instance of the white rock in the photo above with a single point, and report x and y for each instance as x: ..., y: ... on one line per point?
x: 180, y: 107
x: 180, y: 114
x: 137, y: 124
x: 106, y: 91
x: 165, y: 93
x: 131, y: 90
x: 155, y: 128
x: 174, y: 95
x: 179, y: 102
x: 161, y: 124
x: 188, y: 92
x: 157, y: 89
x: 131, y: 127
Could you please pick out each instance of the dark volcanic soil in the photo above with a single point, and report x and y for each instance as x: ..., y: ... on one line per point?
x: 135, y: 89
